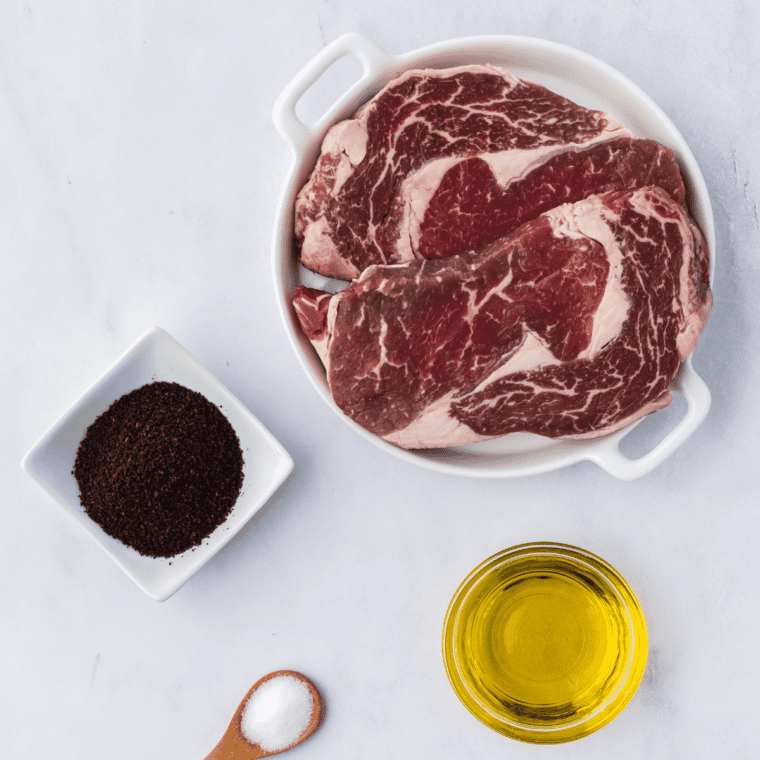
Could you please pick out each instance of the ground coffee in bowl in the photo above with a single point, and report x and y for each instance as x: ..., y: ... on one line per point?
x: 160, y: 469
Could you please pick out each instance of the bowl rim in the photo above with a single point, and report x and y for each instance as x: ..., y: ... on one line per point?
x: 304, y: 143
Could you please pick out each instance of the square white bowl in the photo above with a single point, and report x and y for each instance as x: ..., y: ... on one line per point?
x: 156, y: 356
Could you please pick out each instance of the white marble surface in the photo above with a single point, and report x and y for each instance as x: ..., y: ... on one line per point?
x: 138, y: 182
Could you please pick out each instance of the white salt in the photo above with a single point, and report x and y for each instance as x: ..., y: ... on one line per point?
x: 277, y: 713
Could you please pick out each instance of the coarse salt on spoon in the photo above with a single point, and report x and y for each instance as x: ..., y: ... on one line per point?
x: 280, y: 711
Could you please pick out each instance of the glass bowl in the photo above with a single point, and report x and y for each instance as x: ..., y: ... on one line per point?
x: 544, y: 643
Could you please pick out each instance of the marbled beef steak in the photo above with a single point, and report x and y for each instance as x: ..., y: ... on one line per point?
x: 441, y: 161
x: 572, y: 325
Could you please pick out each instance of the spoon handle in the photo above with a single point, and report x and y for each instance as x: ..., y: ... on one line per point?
x: 231, y: 747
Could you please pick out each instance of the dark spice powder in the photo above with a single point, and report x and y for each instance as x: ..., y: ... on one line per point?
x: 160, y: 469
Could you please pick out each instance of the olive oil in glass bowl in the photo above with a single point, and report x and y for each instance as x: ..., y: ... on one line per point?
x: 545, y: 643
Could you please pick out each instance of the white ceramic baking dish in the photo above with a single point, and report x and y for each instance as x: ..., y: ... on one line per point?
x: 566, y: 71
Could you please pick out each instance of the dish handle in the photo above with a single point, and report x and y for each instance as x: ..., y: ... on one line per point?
x: 690, y: 385
x: 374, y: 60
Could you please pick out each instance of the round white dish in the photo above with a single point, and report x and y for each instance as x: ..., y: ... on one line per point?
x: 569, y: 72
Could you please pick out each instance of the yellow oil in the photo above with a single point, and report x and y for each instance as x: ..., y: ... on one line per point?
x: 545, y: 644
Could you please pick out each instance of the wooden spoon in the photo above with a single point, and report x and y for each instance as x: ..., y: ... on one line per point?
x: 234, y: 746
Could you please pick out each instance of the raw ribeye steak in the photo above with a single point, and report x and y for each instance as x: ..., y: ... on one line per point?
x: 441, y: 161
x: 572, y: 325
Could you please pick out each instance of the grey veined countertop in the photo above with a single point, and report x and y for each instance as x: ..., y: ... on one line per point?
x: 140, y: 175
